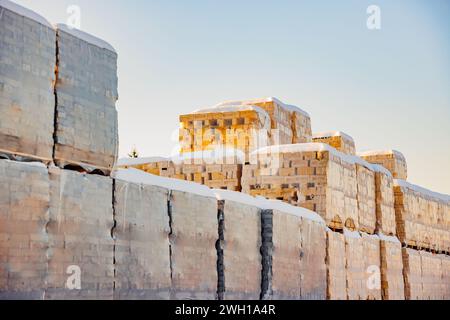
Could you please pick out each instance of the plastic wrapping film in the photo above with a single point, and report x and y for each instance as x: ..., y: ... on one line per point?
x: 24, y: 214
x: 446, y: 276
x: 241, y: 251
x: 86, y: 93
x: 384, y: 187
x: 79, y: 230
x: 372, y: 266
x: 313, y: 267
x: 431, y: 276
x: 27, y: 102
x: 193, y: 246
x: 412, y: 272
x: 336, y: 266
x: 141, y: 234
x: 286, y: 267
x: 355, y: 267
x: 421, y: 218
x: 392, y: 282
x: 366, y: 199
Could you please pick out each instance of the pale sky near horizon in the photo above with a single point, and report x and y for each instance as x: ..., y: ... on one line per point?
x: 389, y: 88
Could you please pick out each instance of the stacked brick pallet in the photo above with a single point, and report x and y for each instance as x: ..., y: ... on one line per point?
x: 86, y: 94
x: 244, y: 125
x: 142, y: 257
x: 339, y: 187
x: 385, y: 204
x: 392, y: 160
x: 24, y: 214
x: 214, y: 173
x: 392, y: 282
x: 79, y: 232
x: 27, y: 103
x: 423, y: 217
x: 338, y: 140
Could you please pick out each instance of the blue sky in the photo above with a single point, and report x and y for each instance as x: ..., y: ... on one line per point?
x: 387, y: 88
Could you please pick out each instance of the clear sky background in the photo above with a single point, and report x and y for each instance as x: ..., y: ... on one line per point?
x: 388, y: 88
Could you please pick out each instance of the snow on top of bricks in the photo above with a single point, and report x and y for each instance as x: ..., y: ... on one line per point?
x: 329, y: 134
x: 266, y: 204
x: 318, y: 147
x: 124, y: 162
x: 85, y: 37
x: 141, y: 177
x: 265, y: 119
x: 426, y: 192
x: 263, y: 100
x: 14, y: 7
x: 216, y: 156
x: 372, y: 153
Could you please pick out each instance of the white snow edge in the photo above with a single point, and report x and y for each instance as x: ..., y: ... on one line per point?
x: 141, y: 177
x: 352, y: 234
x: 288, y: 107
x: 85, y: 37
x: 418, y: 189
x: 139, y: 161
x: 372, y: 153
x: 319, y: 147
x: 329, y: 134
x: 22, y: 11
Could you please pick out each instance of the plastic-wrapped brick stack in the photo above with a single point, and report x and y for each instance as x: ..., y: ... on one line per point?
x: 27, y: 73
x: 24, y: 203
x: 392, y: 283
x: 142, y: 257
x: 240, y: 226
x: 372, y: 266
x: 336, y: 266
x: 86, y: 93
x: 79, y: 231
x: 193, y: 246
x: 355, y: 257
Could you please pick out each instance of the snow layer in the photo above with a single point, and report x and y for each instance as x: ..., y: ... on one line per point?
x: 264, y: 100
x: 85, y: 37
x: 372, y: 153
x: 139, y: 161
x: 264, y: 116
x: 329, y: 134
x: 386, y: 238
x: 141, y: 177
x: 429, y: 193
x: 217, y: 155
x: 319, y: 147
x: 24, y: 12
x: 289, y: 209
x: 352, y: 234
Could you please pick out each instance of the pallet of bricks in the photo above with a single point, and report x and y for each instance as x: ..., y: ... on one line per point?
x: 338, y: 140
x: 86, y: 126
x: 214, y: 173
x: 392, y: 160
x: 339, y: 187
x: 239, y: 127
x: 244, y: 125
x: 423, y: 217
x: 27, y: 74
